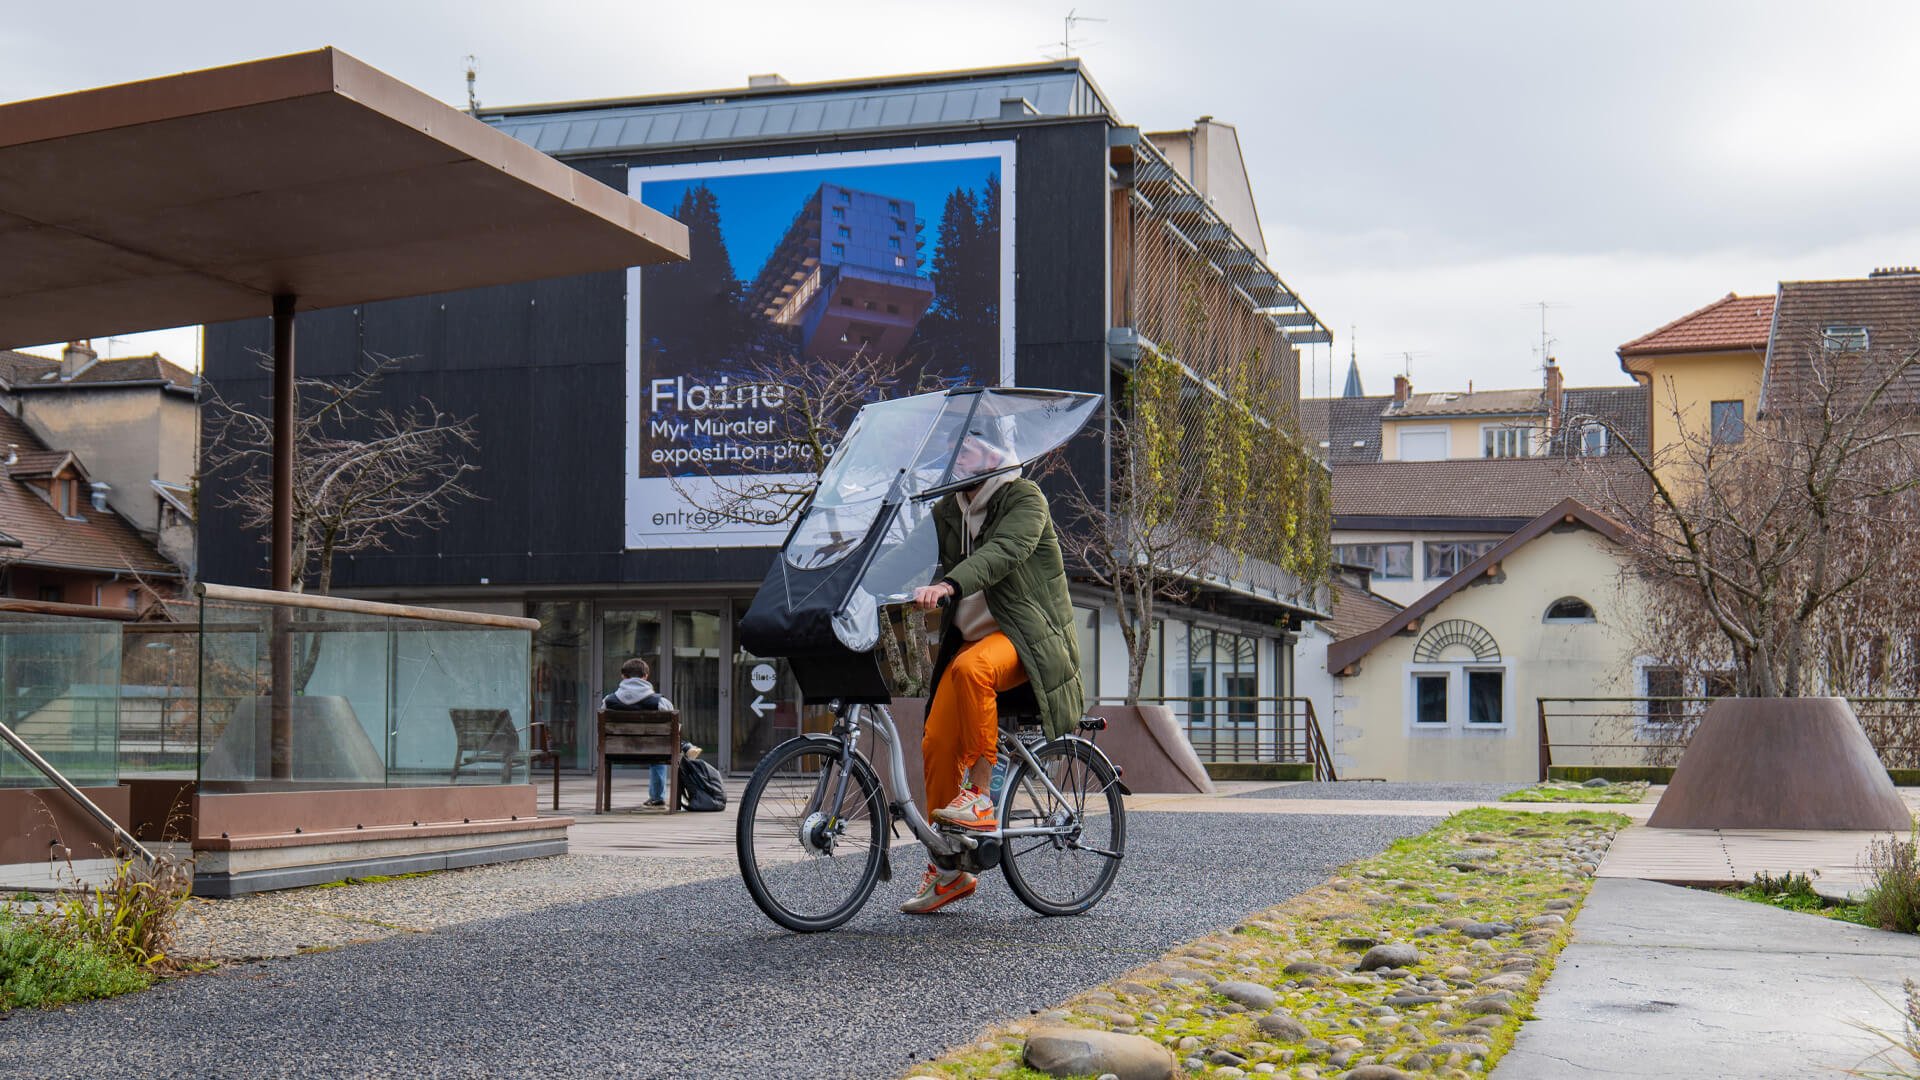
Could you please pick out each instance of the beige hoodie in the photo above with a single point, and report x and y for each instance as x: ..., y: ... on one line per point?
x: 970, y: 614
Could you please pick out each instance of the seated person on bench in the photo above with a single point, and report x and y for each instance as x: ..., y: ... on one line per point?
x: 634, y: 694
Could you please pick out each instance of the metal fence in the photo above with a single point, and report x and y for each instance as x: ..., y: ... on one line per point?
x: 1655, y: 731
x: 1264, y: 730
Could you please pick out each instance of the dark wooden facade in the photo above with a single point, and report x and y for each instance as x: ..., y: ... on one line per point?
x: 541, y: 368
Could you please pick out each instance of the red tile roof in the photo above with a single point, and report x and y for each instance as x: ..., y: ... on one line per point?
x: 1731, y: 322
x: 93, y: 540
x: 1356, y: 610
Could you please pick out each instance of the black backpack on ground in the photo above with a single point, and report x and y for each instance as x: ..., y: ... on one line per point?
x: 702, y: 790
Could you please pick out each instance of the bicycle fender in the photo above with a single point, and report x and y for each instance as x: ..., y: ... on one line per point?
x: 1117, y: 780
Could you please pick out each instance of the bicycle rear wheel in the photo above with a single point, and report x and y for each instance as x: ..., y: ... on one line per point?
x: 811, y: 834
x: 1066, y: 873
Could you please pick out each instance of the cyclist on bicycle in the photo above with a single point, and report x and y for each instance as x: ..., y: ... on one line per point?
x: 1010, y: 622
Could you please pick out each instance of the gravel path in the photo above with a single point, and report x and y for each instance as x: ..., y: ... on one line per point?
x: 1389, y: 791
x: 692, y: 980
x: 288, y: 922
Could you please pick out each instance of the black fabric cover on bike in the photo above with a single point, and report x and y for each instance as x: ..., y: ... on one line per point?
x: 791, y: 617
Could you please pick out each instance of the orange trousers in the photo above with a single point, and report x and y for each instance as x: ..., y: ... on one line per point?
x: 963, y: 725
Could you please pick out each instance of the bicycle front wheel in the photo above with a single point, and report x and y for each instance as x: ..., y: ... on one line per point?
x: 812, y: 830
x: 1067, y: 870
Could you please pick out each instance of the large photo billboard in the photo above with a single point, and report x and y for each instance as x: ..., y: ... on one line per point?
x: 903, y: 256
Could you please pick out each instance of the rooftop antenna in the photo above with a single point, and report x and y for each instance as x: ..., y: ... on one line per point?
x: 473, y: 72
x: 1066, y: 32
x: 1546, y: 342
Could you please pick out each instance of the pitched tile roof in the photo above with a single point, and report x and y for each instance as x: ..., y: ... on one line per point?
x: 1467, y: 488
x: 97, y: 540
x: 1349, y: 426
x: 1731, y: 322
x: 25, y: 371
x: 1888, y: 307
x: 1347, y: 651
x: 1624, y: 408
x: 1483, y: 403
x: 1357, y: 610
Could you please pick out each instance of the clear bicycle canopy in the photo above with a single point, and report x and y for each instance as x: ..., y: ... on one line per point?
x: 904, y: 453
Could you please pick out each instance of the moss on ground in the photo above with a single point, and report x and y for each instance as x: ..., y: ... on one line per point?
x: 40, y: 967
x: 1486, y: 897
x: 1559, y: 791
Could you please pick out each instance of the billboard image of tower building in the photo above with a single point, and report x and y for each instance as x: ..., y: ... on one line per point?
x: 846, y: 274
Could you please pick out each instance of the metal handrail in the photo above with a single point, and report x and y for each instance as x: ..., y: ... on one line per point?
x: 33, y: 757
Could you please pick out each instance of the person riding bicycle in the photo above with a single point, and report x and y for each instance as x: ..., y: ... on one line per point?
x: 1010, y: 622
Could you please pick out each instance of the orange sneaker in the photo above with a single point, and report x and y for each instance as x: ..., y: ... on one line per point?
x: 971, y: 809
x: 938, y: 889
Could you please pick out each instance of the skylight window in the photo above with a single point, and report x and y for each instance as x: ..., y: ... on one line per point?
x: 1844, y: 338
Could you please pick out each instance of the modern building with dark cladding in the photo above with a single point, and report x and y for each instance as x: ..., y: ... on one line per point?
x: 550, y: 370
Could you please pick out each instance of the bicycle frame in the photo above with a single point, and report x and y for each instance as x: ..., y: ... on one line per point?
x: 943, y: 844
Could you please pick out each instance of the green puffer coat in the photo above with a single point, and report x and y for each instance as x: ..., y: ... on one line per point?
x: 1017, y: 560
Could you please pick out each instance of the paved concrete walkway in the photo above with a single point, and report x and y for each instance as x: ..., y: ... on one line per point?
x: 1662, y: 981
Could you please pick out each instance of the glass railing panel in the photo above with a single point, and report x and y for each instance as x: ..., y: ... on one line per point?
x: 60, y: 692
x: 460, y: 703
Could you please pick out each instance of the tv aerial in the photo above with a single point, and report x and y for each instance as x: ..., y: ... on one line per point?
x: 1066, y: 43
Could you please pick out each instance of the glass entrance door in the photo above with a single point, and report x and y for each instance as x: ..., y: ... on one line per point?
x: 766, y: 703
x: 697, y: 685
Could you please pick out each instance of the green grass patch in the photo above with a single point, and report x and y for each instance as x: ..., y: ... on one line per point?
x: 39, y: 967
x: 1528, y: 869
x: 372, y: 879
x: 1795, y: 892
x: 1631, y: 792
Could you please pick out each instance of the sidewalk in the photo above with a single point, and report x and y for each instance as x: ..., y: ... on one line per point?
x: 1662, y: 981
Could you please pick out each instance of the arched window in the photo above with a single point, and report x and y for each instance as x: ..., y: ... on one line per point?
x: 1569, y: 609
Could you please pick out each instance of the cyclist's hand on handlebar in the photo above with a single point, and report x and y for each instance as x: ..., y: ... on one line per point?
x: 928, y: 597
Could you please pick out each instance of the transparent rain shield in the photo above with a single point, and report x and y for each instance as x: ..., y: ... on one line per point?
x: 897, y: 456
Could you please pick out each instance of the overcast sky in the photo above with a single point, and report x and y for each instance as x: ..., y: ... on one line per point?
x: 1426, y: 173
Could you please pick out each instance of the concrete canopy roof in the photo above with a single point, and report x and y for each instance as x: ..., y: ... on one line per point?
x: 199, y: 197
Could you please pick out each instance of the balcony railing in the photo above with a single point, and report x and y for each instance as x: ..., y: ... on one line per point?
x: 1263, y: 729
x: 1652, y: 732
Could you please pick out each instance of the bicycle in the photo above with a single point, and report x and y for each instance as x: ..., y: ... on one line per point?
x: 815, y: 822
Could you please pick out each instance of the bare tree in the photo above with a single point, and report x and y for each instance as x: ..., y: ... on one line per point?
x: 364, y: 473
x: 1761, y: 546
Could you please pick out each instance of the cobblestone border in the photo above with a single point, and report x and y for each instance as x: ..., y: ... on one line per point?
x: 1421, y: 961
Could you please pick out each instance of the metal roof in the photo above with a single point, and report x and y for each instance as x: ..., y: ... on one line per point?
x: 965, y: 99
x: 198, y: 198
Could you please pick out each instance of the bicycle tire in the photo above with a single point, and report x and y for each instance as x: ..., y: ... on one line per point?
x: 1084, y: 776
x: 768, y: 826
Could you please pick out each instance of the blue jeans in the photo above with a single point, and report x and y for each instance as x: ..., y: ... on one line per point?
x: 657, y: 783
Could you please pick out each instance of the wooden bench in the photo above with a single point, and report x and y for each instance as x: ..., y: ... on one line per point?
x: 637, y: 737
x: 480, y: 734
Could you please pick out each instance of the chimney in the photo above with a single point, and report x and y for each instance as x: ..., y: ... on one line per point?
x: 767, y: 82
x: 77, y: 357
x: 100, y: 489
x: 1556, y: 394
x: 1402, y: 389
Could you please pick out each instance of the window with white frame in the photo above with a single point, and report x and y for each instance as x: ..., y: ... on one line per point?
x: 1430, y: 698
x: 1446, y: 558
x: 1423, y: 444
x: 1506, y: 441
x: 1486, y: 697
x: 1389, y: 562
x: 1568, y: 609
x: 1844, y: 338
x: 1593, y: 440
x: 1461, y: 697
